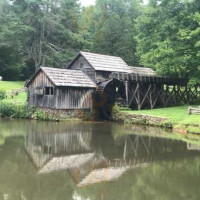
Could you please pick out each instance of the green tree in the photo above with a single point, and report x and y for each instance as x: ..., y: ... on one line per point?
x: 38, y: 32
x: 115, y: 34
x: 165, y: 38
x: 11, y: 37
x: 87, y: 26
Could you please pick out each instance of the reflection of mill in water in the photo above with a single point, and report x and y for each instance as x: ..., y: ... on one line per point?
x: 90, y: 157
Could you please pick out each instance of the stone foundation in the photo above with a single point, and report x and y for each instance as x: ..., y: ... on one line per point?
x: 140, y: 119
x: 68, y: 114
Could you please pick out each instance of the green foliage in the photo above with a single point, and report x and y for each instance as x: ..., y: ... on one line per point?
x: 14, y: 110
x: 15, y: 106
x: 193, y: 129
x: 42, y: 115
x: 175, y: 115
x: 167, y: 37
x: 116, y: 29
x: 164, y: 35
x: 35, y: 33
x: 2, y: 94
x: 9, y: 86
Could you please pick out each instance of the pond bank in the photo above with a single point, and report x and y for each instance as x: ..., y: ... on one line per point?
x: 175, y: 118
x: 12, y: 110
x: 15, y: 106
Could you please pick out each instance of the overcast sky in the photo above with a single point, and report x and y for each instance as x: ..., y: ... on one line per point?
x: 87, y: 2
x: 92, y: 2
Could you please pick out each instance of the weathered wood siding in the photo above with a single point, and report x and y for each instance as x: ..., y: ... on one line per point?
x: 102, y: 75
x: 63, y: 98
x: 47, y: 101
x: 74, y: 98
x: 86, y: 68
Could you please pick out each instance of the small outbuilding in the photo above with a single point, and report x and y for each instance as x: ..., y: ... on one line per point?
x: 60, y: 89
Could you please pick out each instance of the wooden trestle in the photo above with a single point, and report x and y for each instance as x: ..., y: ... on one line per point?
x: 148, y: 92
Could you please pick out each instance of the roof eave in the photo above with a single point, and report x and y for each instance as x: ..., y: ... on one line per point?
x: 36, y: 73
x: 32, y: 77
x: 76, y: 86
x: 72, y: 62
x: 48, y: 76
x: 77, y: 56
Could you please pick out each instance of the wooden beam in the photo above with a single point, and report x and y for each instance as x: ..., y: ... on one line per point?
x: 127, y: 89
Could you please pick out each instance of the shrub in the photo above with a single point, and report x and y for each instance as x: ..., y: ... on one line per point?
x: 2, y: 94
x: 42, y: 115
x: 6, y: 110
x: 14, y: 110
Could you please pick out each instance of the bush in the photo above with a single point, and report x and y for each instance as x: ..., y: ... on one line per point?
x: 14, y: 110
x: 2, y: 94
x: 42, y: 115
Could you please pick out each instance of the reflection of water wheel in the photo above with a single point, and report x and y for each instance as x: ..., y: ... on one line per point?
x: 105, y: 96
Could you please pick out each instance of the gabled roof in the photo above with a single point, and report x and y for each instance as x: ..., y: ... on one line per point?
x: 112, y: 64
x: 103, y: 175
x: 66, y: 162
x: 143, y: 71
x: 103, y: 62
x: 65, y: 77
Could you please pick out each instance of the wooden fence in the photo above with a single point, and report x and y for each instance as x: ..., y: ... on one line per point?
x: 192, y: 110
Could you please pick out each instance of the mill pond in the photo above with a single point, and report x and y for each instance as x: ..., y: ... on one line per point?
x: 95, y: 161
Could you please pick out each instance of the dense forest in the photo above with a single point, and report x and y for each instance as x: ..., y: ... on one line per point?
x: 163, y: 35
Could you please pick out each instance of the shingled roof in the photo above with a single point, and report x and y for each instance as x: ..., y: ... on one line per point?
x: 65, y: 77
x: 143, y: 71
x: 103, y: 62
x: 111, y: 64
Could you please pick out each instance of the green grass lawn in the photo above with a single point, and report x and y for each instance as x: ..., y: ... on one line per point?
x: 8, y: 86
x: 176, y: 115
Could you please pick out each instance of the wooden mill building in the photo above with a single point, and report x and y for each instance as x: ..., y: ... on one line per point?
x: 60, y: 89
x: 72, y: 88
x: 100, y: 67
x: 95, y: 81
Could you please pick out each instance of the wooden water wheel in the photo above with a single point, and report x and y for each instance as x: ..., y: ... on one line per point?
x: 105, y: 97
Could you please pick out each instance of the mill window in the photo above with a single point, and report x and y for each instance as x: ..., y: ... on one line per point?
x: 49, y: 91
x: 81, y: 65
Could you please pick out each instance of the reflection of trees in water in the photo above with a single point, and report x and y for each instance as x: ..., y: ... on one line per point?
x: 96, y: 153
x: 18, y: 178
x: 134, y: 149
x: 169, y: 180
x: 177, y: 180
x: 146, y: 147
x: 89, y: 154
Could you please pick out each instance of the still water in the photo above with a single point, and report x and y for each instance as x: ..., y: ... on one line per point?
x: 96, y: 161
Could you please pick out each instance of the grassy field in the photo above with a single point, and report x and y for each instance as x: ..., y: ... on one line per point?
x: 8, y: 87
x: 176, y: 115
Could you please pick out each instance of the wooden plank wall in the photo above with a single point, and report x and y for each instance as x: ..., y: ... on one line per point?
x: 41, y: 80
x: 73, y: 98
x: 87, y: 68
x: 63, y: 98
